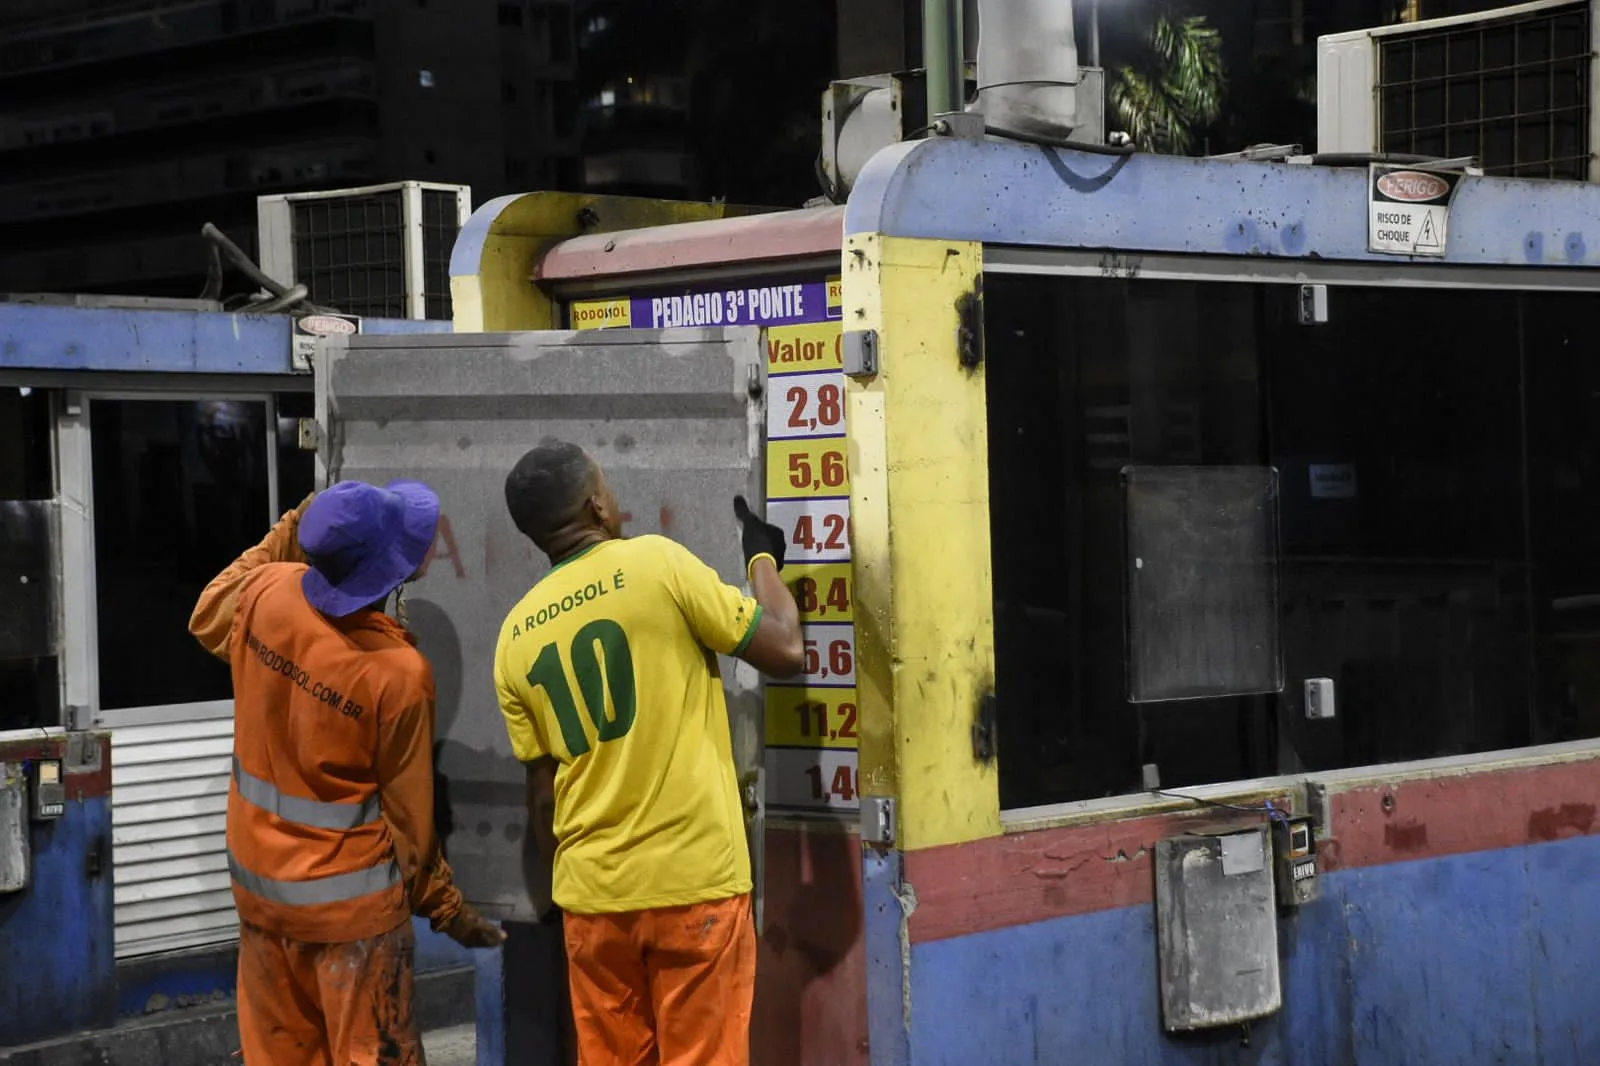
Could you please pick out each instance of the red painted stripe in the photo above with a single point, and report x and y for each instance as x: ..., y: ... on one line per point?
x: 80, y: 786
x: 713, y: 243
x: 1440, y: 816
x: 811, y: 973
x: 1027, y: 877
x: 1052, y: 873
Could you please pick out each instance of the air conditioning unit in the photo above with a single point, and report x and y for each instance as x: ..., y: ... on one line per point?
x: 1513, y: 88
x: 381, y: 251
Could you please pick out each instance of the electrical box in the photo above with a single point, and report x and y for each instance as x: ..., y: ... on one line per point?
x: 1216, y: 929
x: 1319, y: 698
x: 1294, y: 861
x: 14, y: 857
x: 48, y: 789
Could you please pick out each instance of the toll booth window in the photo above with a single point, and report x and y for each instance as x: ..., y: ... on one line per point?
x: 297, y: 468
x: 1437, y: 480
x: 180, y: 489
x: 29, y: 610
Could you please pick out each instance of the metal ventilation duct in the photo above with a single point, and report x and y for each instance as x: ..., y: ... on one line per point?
x: 1027, y: 66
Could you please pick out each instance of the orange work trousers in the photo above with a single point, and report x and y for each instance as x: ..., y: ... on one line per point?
x: 345, y: 1004
x: 673, y: 985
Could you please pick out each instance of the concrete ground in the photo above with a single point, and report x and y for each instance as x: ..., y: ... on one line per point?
x: 455, y: 1046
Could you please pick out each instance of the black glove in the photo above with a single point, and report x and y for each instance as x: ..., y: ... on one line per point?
x: 759, y: 537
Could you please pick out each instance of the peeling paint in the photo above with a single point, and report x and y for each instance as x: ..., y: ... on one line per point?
x: 906, y: 894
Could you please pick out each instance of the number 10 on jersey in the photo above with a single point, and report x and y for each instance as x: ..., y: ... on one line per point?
x: 602, y: 662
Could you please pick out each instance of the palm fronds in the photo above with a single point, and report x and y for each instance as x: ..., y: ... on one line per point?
x: 1176, y: 87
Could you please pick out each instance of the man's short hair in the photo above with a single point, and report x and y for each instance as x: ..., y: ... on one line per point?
x: 548, y: 487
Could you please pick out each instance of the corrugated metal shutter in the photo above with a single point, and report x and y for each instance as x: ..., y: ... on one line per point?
x: 169, y: 803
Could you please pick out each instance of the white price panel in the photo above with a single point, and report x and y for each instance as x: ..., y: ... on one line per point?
x: 813, y: 779
x: 830, y: 655
x: 815, y: 530
x: 805, y: 405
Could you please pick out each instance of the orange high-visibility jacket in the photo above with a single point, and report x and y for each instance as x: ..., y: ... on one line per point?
x: 330, y: 811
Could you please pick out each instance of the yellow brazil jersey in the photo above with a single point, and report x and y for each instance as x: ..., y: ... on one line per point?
x: 607, y: 666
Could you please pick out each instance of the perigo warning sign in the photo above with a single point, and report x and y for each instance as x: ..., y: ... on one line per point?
x: 1408, y: 210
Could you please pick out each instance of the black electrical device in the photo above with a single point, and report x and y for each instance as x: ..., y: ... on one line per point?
x: 47, y: 790
x: 1294, y: 860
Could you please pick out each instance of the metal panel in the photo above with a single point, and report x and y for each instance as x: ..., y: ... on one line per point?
x: 1347, y: 117
x: 169, y: 803
x: 1005, y: 193
x: 144, y: 342
x: 14, y: 859
x: 673, y: 418
x: 1202, y: 582
x: 1216, y: 928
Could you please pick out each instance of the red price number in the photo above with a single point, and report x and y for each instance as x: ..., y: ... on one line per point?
x: 820, y: 533
x: 815, y: 721
x: 840, y: 661
x: 844, y: 786
x: 817, y: 600
x: 826, y: 471
x: 826, y: 413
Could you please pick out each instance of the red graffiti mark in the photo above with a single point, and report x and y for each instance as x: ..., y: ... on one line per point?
x: 447, y: 536
x: 625, y: 517
x: 1569, y: 819
x: 1406, y: 836
x: 666, y: 517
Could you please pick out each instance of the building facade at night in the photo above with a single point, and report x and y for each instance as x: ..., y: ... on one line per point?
x: 129, y: 126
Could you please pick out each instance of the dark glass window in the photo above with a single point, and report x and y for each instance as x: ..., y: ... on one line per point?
x: 297, y: 469
x: 30, y: 693
x: 180, y: 489
x: 1438, y: 479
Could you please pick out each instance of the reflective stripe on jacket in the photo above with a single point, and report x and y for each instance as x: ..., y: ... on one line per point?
x: 330, y: 811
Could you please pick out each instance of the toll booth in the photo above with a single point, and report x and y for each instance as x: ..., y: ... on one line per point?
x: 143, y: 445
x: 1214, y: 556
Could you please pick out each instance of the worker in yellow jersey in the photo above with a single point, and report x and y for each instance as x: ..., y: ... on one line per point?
x: 613, y: 700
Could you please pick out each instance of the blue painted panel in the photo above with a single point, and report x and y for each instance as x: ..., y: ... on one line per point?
x: 887, y: 1033
x: 435, y: 951
x: 490, y: 993
x: 1564, y: 933
x: 37, y: 337
x: 1447, y: 940
x: 393, y: 327
x: 466, y: 255
x: 58, y: 933
x: 1007, y: 193
x: 173, y: 981
x: 1484, y: 958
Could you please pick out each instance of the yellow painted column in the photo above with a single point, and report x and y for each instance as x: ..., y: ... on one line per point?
x: 919, y: 499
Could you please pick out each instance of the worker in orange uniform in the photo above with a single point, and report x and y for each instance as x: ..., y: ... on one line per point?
x: 331, y: 841
x: 613, y: 700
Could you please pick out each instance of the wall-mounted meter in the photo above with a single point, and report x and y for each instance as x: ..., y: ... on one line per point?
x: 47, y: 789
x: 1294, y: 859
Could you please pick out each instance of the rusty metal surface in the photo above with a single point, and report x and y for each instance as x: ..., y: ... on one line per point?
x: 1216, y: 929
x: 13, y: 828
x: 671, y: 418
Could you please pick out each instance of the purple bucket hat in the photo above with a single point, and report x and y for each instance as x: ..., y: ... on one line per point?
x: 365, y: 542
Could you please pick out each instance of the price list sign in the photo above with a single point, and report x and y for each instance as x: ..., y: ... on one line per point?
x: 812, y: 721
